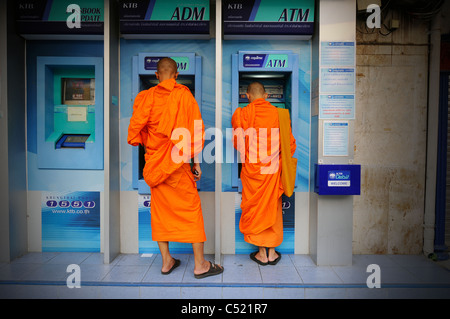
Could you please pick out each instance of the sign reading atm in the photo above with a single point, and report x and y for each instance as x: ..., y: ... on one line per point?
x: 267, y: 61
x: 151, y: 62
x: 278, y: 19
x: 174, y: 19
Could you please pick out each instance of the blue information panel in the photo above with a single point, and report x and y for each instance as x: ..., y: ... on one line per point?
x: 335, y: 54
x: 71, y: 221
x: 337, y: 106
x: 337, y: 80
x: 335, y: 138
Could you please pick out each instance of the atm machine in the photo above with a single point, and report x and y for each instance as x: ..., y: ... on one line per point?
x: 70, y: 112
x: 278, y: 72
x: 144, y: 68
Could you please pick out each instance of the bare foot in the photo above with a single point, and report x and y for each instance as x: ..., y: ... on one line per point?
x: 167, y: 266
x: 272, y: 254
x: 201, y: 267
x: 261, y: 257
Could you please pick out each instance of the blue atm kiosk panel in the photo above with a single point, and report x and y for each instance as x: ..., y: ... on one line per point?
x: 144, y: 68
x: 337, y: 179
x: 278, y: 72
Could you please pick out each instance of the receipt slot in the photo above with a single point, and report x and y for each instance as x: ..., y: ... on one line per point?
x: 144, y: 67
x: 337, y: 179
x: 69, y: 112
x: 278, y: 72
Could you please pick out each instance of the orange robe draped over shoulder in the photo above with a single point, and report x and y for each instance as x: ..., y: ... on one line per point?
x: 167, y: 121
x: 256, y: 135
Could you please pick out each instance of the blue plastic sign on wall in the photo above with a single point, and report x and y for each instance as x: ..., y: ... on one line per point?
x: 337, y: 179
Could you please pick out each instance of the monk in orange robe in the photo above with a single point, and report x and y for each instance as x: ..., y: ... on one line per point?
x: 167, y: 121
x: 256, y: 137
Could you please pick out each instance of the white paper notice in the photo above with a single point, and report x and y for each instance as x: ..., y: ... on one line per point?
x: 76, y: 114
x: 335, y: 138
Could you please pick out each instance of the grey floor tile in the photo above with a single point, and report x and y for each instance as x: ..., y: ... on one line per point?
x: 434, y: 275
x: 352, y: 274
x: 126, y: 273
x: 396, y: 275
x: 247, y: 273
x: 239, y: 259
x: 280, y: 274
x: 97, y: 259
x: 135, y: 259
x: 325, y: 293
x: 47, y: 272
x: 201, y: 292
x: 35, y: 257
x: 67, y: 258
x: 284, y: 293
x: 84, y: 292
x: 411, y: 260
x: 94, y: 272
x: 380, y: 260
x: 111, y: 292
x: 302, y: 261
x: 16, y: 271
x: 415, y: 293
x: 318, y: 275
x: 29, y: 292
x: 242, y: 292
x: 367, y: 293
x: 160, y: 293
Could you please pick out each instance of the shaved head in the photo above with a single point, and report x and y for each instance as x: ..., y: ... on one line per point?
x: 256, y: 90
x: 166, y: 65
x: 166, y: 69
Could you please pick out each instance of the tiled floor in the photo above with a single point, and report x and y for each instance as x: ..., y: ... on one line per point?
x: 44, y: 275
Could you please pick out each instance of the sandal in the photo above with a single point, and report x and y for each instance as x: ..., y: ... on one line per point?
x: 175, y: 265
x: 213, y: 270
x: 253, y: 257
x: 274, y: 262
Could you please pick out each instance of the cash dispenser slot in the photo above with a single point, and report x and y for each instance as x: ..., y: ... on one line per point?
x: 72, y: 141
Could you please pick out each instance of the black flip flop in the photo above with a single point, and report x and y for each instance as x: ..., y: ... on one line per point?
x: 274, y: 262
x: 253, y: 257
x: 213, y: 270
x: 175, y: 265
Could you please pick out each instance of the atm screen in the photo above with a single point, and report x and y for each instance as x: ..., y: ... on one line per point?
x: 276, y: 85
x: 78, y: 91
x: 148, y: 81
